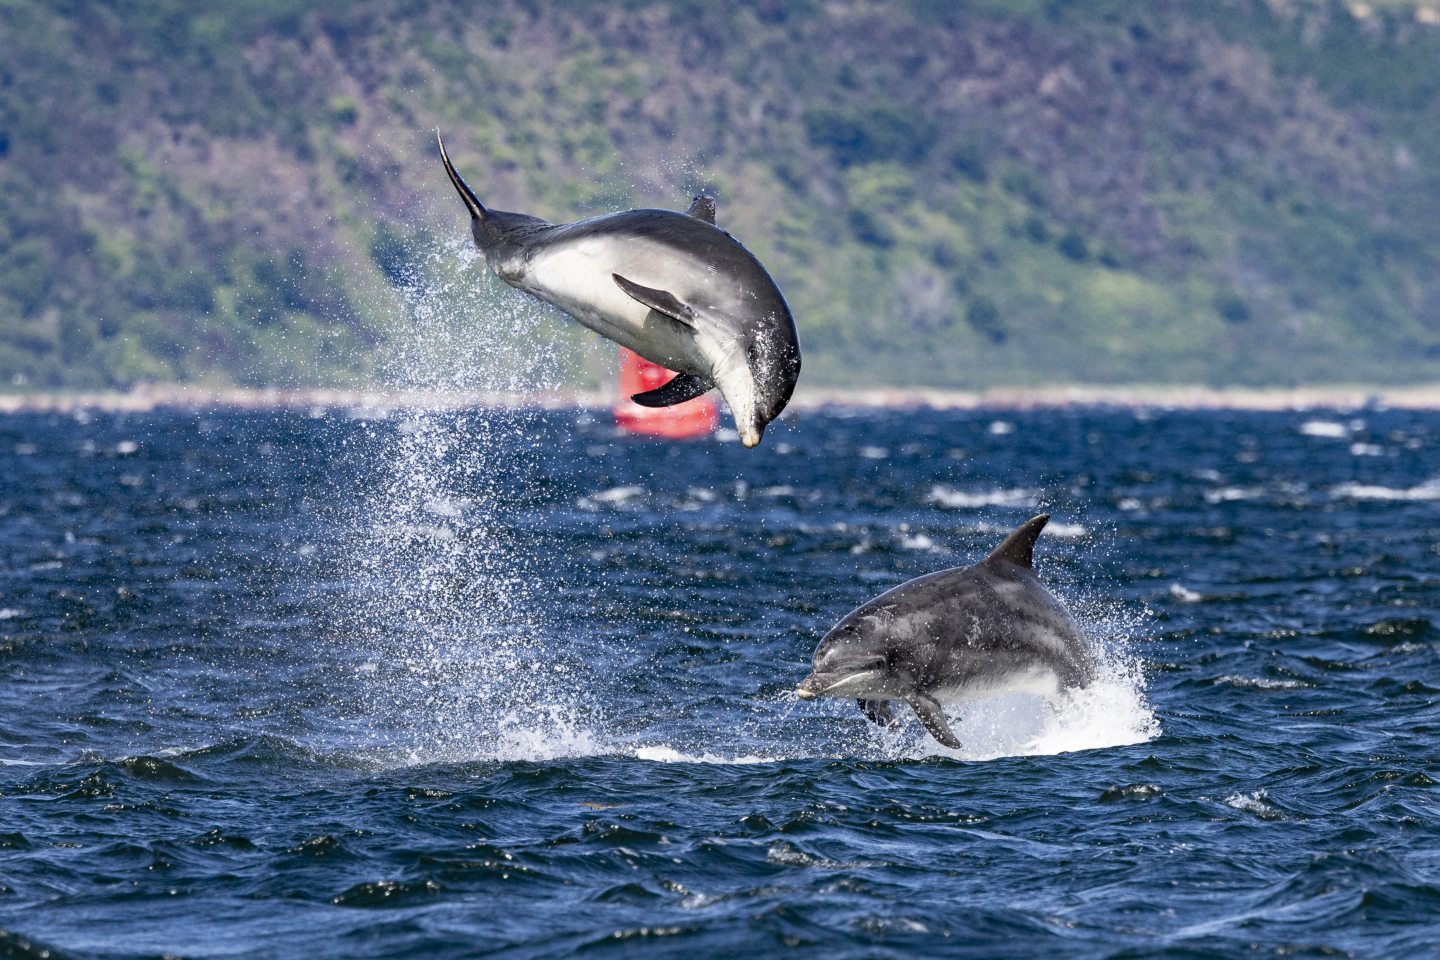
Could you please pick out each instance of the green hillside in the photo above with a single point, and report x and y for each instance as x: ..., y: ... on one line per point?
x: 950, y: 194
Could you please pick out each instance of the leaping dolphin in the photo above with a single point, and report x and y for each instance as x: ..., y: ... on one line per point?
x: 672, y: 287
x: 960, y: 634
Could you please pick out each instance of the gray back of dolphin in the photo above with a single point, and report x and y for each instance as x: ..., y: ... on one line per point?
x: 959, y: 634
x: 671, y: 286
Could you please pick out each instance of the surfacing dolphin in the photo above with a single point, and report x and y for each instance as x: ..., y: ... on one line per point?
x: 960, y: 634
x: 671, y: 286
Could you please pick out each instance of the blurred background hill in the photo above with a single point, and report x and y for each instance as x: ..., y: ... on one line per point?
x: 950, y: 194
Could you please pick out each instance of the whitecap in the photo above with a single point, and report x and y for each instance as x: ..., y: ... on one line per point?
x: 1261, y: 683
x: 1429, y: 490
x: 1231, y: 494
x: 874, y: 453
x: 1366, y: 450
x: 664, y: 754
x: 1000, y: 428
x: 917, y: 541
x: 1065, y: 531
x: 613, y: 497
x: 126, y: 447
x: 964, y: 499
x: 1185, y: 595
x: 1327, y: 429
x: 1257, y: 803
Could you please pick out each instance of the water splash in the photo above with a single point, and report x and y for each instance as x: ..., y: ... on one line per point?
x: 447, y: 638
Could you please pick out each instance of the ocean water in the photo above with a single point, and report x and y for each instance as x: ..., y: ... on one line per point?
x: 337, y: 683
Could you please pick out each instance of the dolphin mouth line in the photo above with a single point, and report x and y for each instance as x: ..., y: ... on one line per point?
x: 807, y: 690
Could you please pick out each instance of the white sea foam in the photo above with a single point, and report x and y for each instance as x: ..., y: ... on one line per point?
x: 613, y: 497
x: 1184, y: 594
x: 917, y: 541
x: 1429, y: 490
x: 1256, y: 802
x: 665, y: 754
x: 969, y: 499
x: 1233, y: 494
x: 1261, y: 683
x: 783, y: 490
x: 1327, y: 429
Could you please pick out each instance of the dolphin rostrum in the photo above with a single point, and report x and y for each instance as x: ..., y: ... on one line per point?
x: 672, y: 287
x: 960, y: 634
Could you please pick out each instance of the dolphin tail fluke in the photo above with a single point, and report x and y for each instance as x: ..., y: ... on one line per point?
x: 680, y: 388
x: 472, y: 202
x: 1019, y: 547
x: 933, y: 719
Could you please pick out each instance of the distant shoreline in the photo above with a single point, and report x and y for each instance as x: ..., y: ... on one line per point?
x: 179, y: 397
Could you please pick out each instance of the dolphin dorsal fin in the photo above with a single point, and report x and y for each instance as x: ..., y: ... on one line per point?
x: 702, y: 208
x: 1019, y: 546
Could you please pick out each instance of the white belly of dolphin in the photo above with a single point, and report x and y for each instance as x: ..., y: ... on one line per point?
x: 1040, y: 681
x: 579, y: 278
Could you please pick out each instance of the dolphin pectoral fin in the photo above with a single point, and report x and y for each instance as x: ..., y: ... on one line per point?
x: 682, y: 387
x: 661, y: 301
x: 933, y: 719
x: 702, y: 208
x: 877, y: 712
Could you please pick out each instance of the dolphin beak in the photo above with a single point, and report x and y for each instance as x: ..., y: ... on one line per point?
x: 750, y: 438
x: 811, y: 688
x: 855, y: 684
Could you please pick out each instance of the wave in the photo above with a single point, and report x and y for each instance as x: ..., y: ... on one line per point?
x: 967, y: 499
x: 1261, y: 683
x: 613, y: 497
x: 1429, y: 490
x: 1324, y: 429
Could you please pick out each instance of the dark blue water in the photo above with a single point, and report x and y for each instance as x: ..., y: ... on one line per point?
x: 460, y: 684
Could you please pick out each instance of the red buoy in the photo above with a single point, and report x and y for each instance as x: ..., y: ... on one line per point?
x: 693, y: 418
